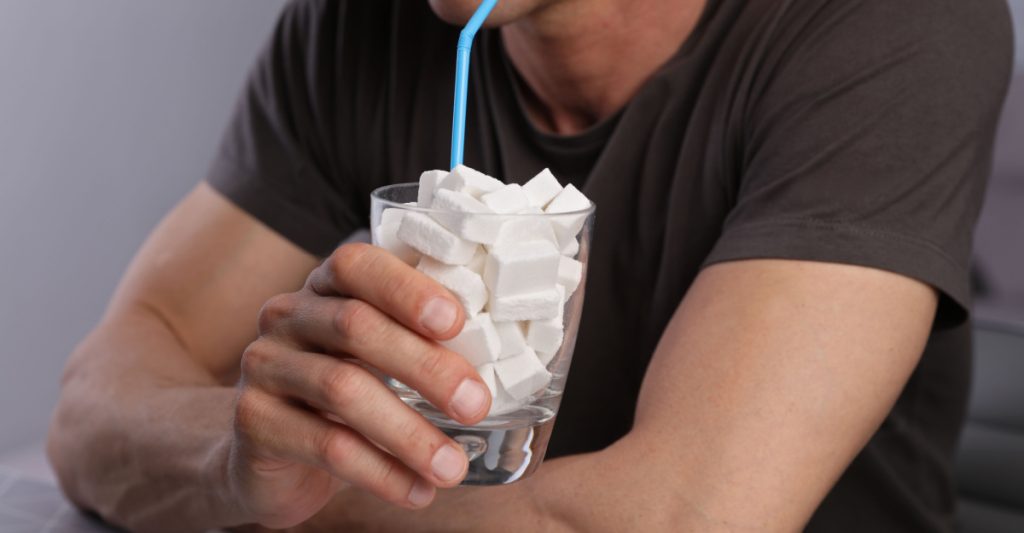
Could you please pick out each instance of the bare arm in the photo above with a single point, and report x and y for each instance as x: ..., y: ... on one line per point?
x: 150, y: 433
x: 147, y: 397
x: 769, y: 379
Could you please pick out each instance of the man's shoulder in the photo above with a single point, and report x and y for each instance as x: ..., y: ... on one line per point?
x: 910, y: 18
x: 864, y: 35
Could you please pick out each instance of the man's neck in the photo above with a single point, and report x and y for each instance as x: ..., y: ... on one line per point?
x: 583, y: 60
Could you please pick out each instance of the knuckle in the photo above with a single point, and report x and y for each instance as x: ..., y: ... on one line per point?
x: 389, y: 479
x: 337, y: 449
x: 354, y: 319
x: 276, y: 310
x: 346, y: 257
x: 344, y: 385
x: 247, y: 412
x: 254, y: 358
x: 435, y: 363
x: 417, y: 442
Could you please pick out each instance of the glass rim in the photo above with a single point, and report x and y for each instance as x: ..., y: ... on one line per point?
x: 377, y: 193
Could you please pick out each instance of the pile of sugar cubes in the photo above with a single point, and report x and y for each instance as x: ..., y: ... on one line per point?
x: 513, y: 274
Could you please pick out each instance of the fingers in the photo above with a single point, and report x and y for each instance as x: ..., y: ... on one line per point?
x: 366, y: 405
x: 349, y: 326
x: 377, y: 277
x: 271, y: 425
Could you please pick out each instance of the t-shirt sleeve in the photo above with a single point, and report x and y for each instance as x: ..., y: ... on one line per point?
x: 275, y: 159
x: 870, y: 140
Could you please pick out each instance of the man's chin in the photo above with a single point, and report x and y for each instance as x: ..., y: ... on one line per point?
x: 458, y: 12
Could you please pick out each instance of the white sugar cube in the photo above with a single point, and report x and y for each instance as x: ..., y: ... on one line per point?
x: 392, y: 216
x: 486, y: 372
x: 545, y: 335
x: 522, y: 375
x: 513, y: 341
x: 478, y: 341
x: 386, y: 236
x: 430, y: 238
x: 570, y: 272
x: 465, y: 284
x: 470, y: 181
x: 546, y: 357
x: 531, y: 210
x: 429, y: 181
x: 521, y: 268
x: 570, y: 248
x: 542, y: 188
x: 569, y: 200
x: 517, y: 229
x: 456, y: 212
x: 501, y: 402
x: 539, y: 305
x: 508, y: 199
x: 479, y: 260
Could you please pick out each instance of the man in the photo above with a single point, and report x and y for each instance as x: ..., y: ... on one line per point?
x: 775, y: 335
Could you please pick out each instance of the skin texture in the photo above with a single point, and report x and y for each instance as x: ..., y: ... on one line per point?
x: 226, y: 383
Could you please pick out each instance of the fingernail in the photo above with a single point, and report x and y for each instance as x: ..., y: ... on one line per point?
x: 448, y: 462
x: 438, y: 315
x: 421, y: 493
x: 469, y: 399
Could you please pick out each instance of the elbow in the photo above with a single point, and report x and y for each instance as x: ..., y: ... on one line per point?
x: 73, y: 446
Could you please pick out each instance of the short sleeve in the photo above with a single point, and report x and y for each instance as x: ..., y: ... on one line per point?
x: 275, y: 159
x: 870, y: 139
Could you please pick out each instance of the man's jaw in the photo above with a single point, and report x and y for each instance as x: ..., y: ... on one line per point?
x: 458, y: 12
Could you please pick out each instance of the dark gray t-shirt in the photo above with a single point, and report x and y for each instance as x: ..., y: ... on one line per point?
x: 849, y: 131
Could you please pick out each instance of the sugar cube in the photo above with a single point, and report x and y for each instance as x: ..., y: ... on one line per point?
x: 508, y: 199
x: 520, y: 228
x: 501, y: 402
x: 454, y: 212
x: 429, y: 181
x: 522, y: 375
x: 392, y: 216
x: 568, y: 200
x: 486, y: 372
x: 430, y: 238
x: 470, y: 181
x: 465, y: 284
x: 512, y: 339
x: 546, y: 357
x: 542, y: 188
x: 476, y: 264
x: 570, y: 247
x: 545, y: 335
x: 478, y: 341
x: 530, y: 306
x: 386, y: 236
x: 570, y: 272
x: 520, y: 268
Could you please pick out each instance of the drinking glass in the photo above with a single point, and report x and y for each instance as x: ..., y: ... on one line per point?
x: 510, y: 443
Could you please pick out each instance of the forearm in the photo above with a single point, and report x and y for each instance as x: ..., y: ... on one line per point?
x: 140, y: 431
x: 611, y: 490
x: 767, y: 383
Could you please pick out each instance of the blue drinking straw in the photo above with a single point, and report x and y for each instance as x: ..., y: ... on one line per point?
x: 462, y: 78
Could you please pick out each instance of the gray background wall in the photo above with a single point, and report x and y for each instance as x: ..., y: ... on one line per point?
x: 109, y: 111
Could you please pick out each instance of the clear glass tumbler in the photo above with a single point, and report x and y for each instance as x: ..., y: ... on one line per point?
x: 510, y: 443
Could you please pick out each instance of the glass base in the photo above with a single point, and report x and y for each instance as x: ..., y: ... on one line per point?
x: 501, y: 449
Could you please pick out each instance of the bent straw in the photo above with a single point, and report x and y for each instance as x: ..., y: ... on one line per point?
x: 462, y: 78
